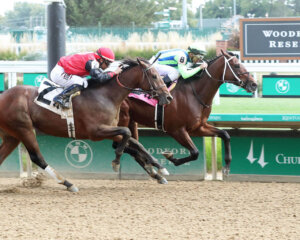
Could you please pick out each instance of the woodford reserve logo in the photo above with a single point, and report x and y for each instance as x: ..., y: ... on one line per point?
x: 270, y: 38
x: 284, y: 37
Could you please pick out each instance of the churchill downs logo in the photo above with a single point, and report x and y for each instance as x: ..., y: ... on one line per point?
x: 252, y: 159
x: 279, y: 158
x: 78, y: 154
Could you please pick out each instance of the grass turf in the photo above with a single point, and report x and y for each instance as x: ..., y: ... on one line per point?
x: 258, y: 105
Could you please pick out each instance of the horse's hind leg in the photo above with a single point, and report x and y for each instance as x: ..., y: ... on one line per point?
x: 29, y: 140
x: 9, y: 143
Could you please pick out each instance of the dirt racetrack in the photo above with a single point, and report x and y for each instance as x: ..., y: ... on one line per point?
x: 115, y: 210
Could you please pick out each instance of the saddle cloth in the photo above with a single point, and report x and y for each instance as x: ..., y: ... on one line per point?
x: 147, y: 98
x: 46, y: 92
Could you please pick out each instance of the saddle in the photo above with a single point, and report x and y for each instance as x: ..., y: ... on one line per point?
x: 46, y: 92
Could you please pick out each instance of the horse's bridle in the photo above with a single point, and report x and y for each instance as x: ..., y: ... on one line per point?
x: 153, y: 92
x: 227, y: 64
x: 236, y: 76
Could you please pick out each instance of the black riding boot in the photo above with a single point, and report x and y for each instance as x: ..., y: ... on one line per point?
x: 167, y: 81
x: 62, y: 99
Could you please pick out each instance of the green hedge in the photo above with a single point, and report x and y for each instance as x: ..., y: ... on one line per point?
x: 9, y: 55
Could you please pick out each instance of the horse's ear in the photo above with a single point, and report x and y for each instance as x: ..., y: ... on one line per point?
x: 141, y: 63
x: 222, y: 52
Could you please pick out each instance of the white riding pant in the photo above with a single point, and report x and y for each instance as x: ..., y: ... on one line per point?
x: 164, y: 70
x: 65, y: 80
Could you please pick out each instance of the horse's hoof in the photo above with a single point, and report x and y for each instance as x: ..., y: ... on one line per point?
x: 226, y: 171
x: 162, y: 181
x: 167, y: 154
x: 73, y: 188
x: 115, y: 166
x: 150, y: 170
x: 163, y: 171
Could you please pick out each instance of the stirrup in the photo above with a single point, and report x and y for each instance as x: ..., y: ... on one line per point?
x: 59, y: 101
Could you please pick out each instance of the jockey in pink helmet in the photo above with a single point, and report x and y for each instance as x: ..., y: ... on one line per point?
x: 70, y: 72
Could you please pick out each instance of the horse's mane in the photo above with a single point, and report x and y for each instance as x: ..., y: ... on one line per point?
x: 129, y: 63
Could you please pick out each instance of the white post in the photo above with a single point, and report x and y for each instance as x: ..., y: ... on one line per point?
x: 12, y: 79
x: 216, y: 100
x: 214, y: 158
x: 256, y: 92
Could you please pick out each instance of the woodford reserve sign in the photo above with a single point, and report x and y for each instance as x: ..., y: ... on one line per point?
x: 270, y: 38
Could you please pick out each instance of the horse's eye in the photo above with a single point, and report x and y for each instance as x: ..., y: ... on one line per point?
x: 154, y: 76
x: 237, y: 65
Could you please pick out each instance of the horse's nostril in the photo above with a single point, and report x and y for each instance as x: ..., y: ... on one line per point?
x: 170, y: 98
x: 254, y: 85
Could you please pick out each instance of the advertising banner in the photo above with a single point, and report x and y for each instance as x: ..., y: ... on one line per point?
x: 86, y: 157
x: 1, y: 82
x: 33, y: 79
x: 265, y: 156
x: 281, y: 86
x: 270, y: 38
x: 228, y: 89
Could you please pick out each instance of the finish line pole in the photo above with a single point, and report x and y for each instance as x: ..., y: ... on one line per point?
x: 56, y: 33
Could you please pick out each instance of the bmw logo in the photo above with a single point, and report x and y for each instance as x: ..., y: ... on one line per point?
x: 38, y: 79
x: 78, y: 154
x: 232, y: 88
x: 282, y: 86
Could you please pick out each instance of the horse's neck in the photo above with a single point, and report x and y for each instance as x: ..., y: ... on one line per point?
x: 209, y: 85
x: 205, y: 88
x: 122, y: 85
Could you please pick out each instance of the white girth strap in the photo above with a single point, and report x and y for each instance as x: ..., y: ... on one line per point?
x: 69, y: 116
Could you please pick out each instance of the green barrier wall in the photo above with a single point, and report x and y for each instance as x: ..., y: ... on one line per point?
x: 77, y: 156
x: 281, y: 86
x: 11, y: 165
x: 155, y: 145
x: 228, y: 89
x: 80, y: 158
x: 1, y: 82
x: 265, y: 155
x: 33, y: 79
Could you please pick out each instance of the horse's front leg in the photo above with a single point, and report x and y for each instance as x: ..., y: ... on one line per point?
x: 146, y: 160
x: 211, y: 131
x: 105, y: 132
x: 183, y: 137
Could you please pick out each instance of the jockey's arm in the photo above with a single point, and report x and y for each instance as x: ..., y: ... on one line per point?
x: 183, y: 69
x: 185, y: 72
x: 97, y: 74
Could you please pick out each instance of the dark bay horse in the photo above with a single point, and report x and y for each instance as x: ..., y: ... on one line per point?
x: 187, y: 114
x: 96, y: 113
